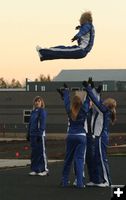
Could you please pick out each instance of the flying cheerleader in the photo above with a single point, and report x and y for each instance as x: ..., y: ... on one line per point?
x: 84, y: 37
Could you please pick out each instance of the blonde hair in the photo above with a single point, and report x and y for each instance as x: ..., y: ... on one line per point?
x: 111, y: 104
x: 75, y: 107
x: 41, y: 99
x: 86, y: 17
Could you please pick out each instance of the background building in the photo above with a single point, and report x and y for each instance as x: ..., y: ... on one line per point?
x: 16, y: 104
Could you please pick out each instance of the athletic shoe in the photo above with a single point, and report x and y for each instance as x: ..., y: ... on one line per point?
x: 97, y: 184
x: 38, y: 48
x: 32, y: 173
x: 102, y: 184
x: 90, y: 184
x: 44, y: 173
x: 75, y: 182
x: 62, y: 184
x: 79, y: 187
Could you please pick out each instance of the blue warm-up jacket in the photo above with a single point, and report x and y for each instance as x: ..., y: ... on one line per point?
x: 85, y: 36
x: 77, y: 126
x: 103, y: 116
x: 37, y: 123
x: 85, y: 40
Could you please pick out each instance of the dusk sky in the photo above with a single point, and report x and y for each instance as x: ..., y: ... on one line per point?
x: 27, y: 23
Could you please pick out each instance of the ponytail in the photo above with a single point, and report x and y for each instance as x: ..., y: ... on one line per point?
x: 75, y: 107
x: 111, y: 104
x: 113, y: 116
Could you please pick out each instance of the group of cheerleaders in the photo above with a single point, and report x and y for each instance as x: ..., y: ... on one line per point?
x: 88, y: 120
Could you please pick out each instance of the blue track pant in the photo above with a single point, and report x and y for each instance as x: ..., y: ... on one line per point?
x: 90, y: 152
x: 75, y: 149
x: 63, y: 52
x: 101, y: 167
x: 38, y: 154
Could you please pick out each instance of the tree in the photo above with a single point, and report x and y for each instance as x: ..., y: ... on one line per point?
x: 3, y: 84
x: 15, y: 84
x: 48, y: 78
x: 43, y: 78
x: 36, y: 80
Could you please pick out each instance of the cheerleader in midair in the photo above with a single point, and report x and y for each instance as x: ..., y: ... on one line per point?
x: 84, y: 38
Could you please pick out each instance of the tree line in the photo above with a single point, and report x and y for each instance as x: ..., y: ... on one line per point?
x: 17, y: 84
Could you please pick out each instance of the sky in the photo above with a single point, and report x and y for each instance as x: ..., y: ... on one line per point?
x: 28, y: 23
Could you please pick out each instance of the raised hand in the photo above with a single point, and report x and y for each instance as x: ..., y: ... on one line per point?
x: 60, y: 92
x: 91, y: 82
x: 85, y: 83
x: 74, y: 38
x: 99, y: 89
x: 65, y: 86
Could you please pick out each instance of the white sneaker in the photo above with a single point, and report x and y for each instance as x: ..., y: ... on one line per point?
x: 38, y: 48
x: 32, y: 173
x: 45, y: 173
x: 75, y: 182
x: 90, y: 184
x: 102, y: 184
